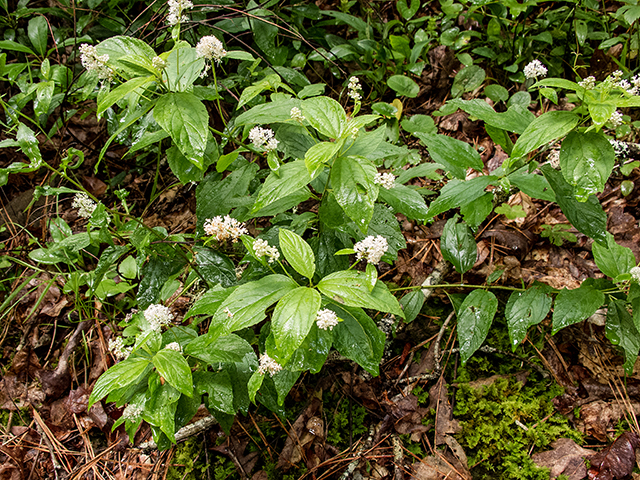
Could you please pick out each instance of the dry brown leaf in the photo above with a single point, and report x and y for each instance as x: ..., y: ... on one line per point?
x: 599, y: 417
x: 440, y: 467
x: 565, y: 458
x: 617, y: 460
x: 439, y: 400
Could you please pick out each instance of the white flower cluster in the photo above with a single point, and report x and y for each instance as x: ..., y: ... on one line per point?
x: 94, y: 62
x: 84, y: 204
x: 296, y: 114
x: 211, y: 48
x: 354, y: 89
x: 158, y: 316
x: 224, y: 228
x: 635, y: 274
x: 326, y: 319
x: 371, y: 249
x: 535, y: 69
x: 158, y: 63
x: 588, y: 83
x: 616, y: 81
x: 118, y: 349
x: 262, y: 248
x: 621, y: 149
x: 132, y: 412
x: 175, y: 346
x: 616, y: 119
x: 263, y: 138
x: 385, y: 180
x: 554, y: 158
x: 268, y: 365
x: 176, y: 9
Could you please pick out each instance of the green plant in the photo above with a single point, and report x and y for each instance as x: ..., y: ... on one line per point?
x: 557, y: 233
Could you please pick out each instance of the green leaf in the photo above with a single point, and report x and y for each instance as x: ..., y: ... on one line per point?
x: 496, y: 93
x: 475, y: 316
x: 419, y: 124
x: 173, y: 367
x: 515, y: 119
x: 455, y: 155
x: 403, y: 86
x: 384, y: 223
x: 226, y: 349
x: 267, y: 113
x: 467, y: 80
x: 119, y: 47
x: 185, y: 118
x: 525, y: 309
x: 350, y: 288
x: 119, y: 376
x: 474, y: 213
x: 613, y: 259
x: 29, y: 145
x: 120, y: 92
x: 248, y: 302
x: 292, y: 319
x: 407, y: 11
x: 601, y: 112
x: 353, y: 187
x: 586, y: 162
x: 325, y: 115
x: 106, y: 261
x: 544, y: 129
x: 532, y: 184
x: 215, y: 267
x: 15, y: 46
x: 297, y: 252
x: 457, y: 193
x: 358, y: 338
x: 219, y: 388
x: 160, y: 409
x: 588, y: 217
x: 573, y: 306
x: 292, y: 177
x: 620, y: 330
x: 412, y: 303
x: 458, y: 245
x: 557, y: 83
x: 318, y: 155
x: 405, y: 200
x: 313, y: 351
x: 255, y: 382
x: 38, y: 31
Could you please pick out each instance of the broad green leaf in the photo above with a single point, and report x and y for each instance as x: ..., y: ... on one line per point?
x: 403, y: 86
x: 255, y: 382
x: 107, y: 258
x: 15, y: 46
x: 405, y: 200
x: 613, y: 259
x: 121, y: 46
x: 350, y: 288
x: 318, y: 155
x: 219, y: 388
x: 458, y: 245
x: 457, y: 193
x: 429, y: 170
x: 407, y: 11
x: 284, y: 381
x: 120, y: 92
x: 515, y: 119
x: 573, y: 306
x: 173, y: 367
x: 29, y: 145
x: 467, y: 80
x: 352, y: 181
x: 419, y: 124
x: 455, y: 155
x: 475, y: 316
x: 601, y: 111
x: 586, y: 162
x: 291, y: 178
x: 525, y: 309
x: 247, y: 304
x: 209, y: 302
x: 532, y: 184
x: 474, y: 213
x: 588, y: 217
x: 185, y: 118
x: 292, y: 319
x: 313, y: 351
x: 160, y: 409
x: 297, y: 252
x: 325, y: 115
x: 44, y: 95
x: 270, y: 82
x: 267, y: 113
x: 119, y: 376
x: 38, y: 31
x: 384, y: 223
x: 412, y: 303
x: 357, y: 337
x: 620, y: 330
x: 215, y: 267
x: 225, y: 349
x: 544, y: 129
x: 557, y: 83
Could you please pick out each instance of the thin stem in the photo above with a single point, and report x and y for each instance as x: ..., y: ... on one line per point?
x: 458, y: 285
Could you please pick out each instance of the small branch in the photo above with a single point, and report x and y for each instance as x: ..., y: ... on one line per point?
x: 185, y: 432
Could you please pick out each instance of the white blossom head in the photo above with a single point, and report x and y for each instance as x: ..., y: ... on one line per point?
x: 296, y: 114
x: 94, y: 62
x: 117, y: 348
x: 175, y: 346
x: 84, y: 204
x: 224, y: 228
x: 635, y: 274
x: 158, y: 63
x: 158, y: 316
x: 176, y: 10
x: 262, y: 248
x: 616, y: 119
x: 354, y: 133
x: 535, y: 69
x: 132, y: 412
x: 385, y: 180
x: 211, y: 48
x: 326, y: 319
x: 371, y: 249
x: 263, y: 139
x: 554, y: 158
x: 268, y: 365
x: 588, y: 83
x: 354, y: 88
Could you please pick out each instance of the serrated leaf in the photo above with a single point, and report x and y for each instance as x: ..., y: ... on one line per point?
x: 297, y: 252
x: 620, y: 330
x: 325, y: 115
x: 405, y: 200
x: 455, y: 155
x: 354, y: 189
x: 523, y: 310
x: 475, y: 316
x: 458, y: 245
x: 613, y: 259
x: 544, y: 129
x: 573, y: 306
x: 173, y: 367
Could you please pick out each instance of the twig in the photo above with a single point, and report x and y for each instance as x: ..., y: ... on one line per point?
x: 436, y: 347
x: 398, y: 457
x: 354, y: 463
x: 184, y: 433
x: 435, y: 278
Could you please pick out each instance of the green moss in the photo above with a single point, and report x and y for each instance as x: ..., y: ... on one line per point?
x: 492, y: 420
x: 189, y: 463
x: 336, y: 407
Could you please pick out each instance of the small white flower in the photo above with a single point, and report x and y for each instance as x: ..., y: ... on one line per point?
x: 84, y: 204
x: 158, y: 316
x: 296, y: 114
x: 621, y: 149
x: 385, y: 180
x: 635, y: 274
x: 615, y: 80
x: 262, y: 248
x: 554, y: 159
x: 354, y: 88
x: 224, y: 228
x: 211, y: 48
x: 94, y: 62
x: 371, y: 249
x: 354, y: 133
x: 118, y: 349
x: 326, y: 319
x: 616, y: 119
x: 228, y: 312
x: 271, y: 145
x: 535, y: 69
x: 175, y: 346
x: 588, y: 83
x: 132, y: 412
x: 268, y: 365
x: 176, y: 9
x: 263, y: 139
x: 158, y: 63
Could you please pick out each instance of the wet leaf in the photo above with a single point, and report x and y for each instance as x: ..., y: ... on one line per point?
x: 475, y: 316
x: 617, y: 460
